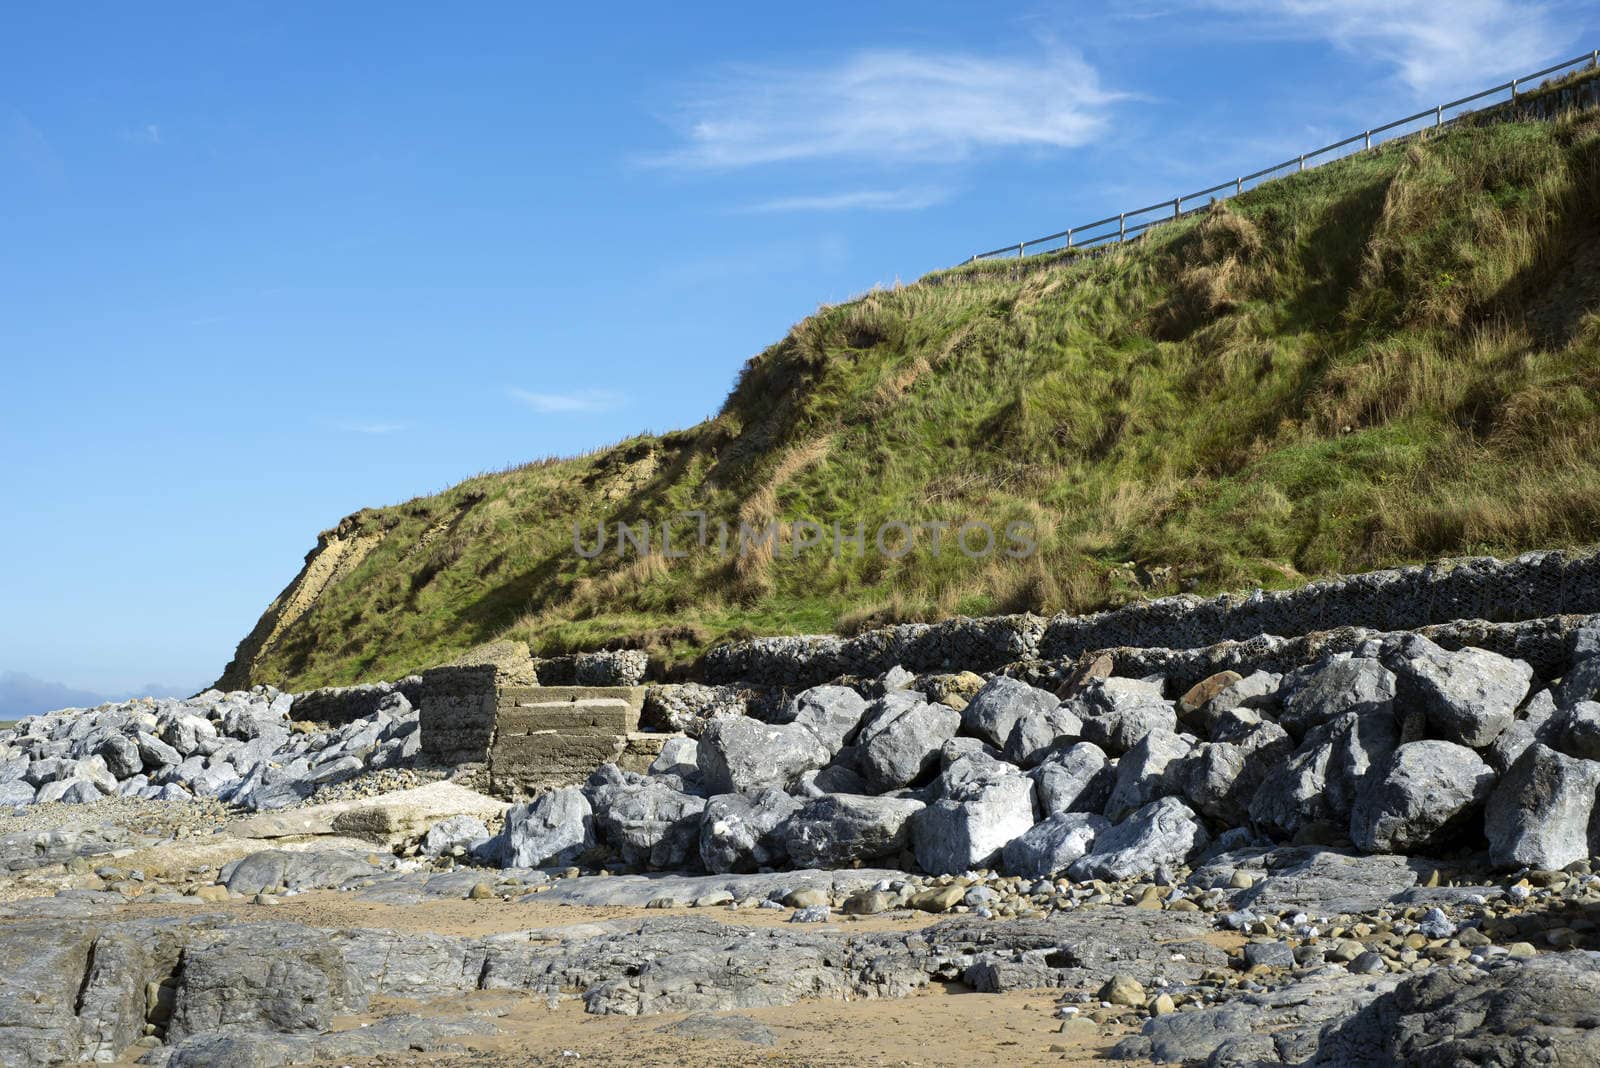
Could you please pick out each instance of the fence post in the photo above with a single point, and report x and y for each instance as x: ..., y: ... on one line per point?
x: 1594, y: 59
x: 1122, y: 227
x: 1177, y: 207
x: 1020, y: 245
x: 1069, y: 237
x: 1302, y: 163
x: 1367, y: 142
x: 1238, y: 186
x: 1438, y: 116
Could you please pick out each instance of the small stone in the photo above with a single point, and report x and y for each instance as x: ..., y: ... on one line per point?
x: 1241, y: 880
x: 480, y: 892
x: 1369, y: 963
x: 805, y: 899
x: 938, y: 899
x: 1123, y: 990
x: 1162, y: 1005
x: 1269, y: 955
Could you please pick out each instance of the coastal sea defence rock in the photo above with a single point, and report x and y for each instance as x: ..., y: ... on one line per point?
x: 1395, y: 745
x: 241, y: 748
x: 1534, y: 585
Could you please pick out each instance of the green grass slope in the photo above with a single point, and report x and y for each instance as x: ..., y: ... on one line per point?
x: 1388, y: 359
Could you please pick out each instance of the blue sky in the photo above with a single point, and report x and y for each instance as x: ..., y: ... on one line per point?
x: 265, y: 264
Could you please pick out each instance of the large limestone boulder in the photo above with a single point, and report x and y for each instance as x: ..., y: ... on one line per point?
x: 839, y: 829
x: 1220, y: 778
x: 1342, y: 686
x: 966, y: 829
x: 1539, y: 814
x: 1076, y: 779
x: 1318, y: 785
x: 1537, y: 721
x: 1420, y: 797
x: 555, y: 829
x: 1470, y: 695
x: 1117, y: 712
x: 1164, y: 833
x: 902, y: 740
x: 1037, y: 734
x: 1147, y: 771
x: 1053, y: 844
x: 995, y: 709
x: 740, y: 832
x: 740, y: 753
x: 832, y: 714
x: 649, y: 823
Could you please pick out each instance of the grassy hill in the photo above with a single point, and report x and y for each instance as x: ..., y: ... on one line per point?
x: 1388, y: 359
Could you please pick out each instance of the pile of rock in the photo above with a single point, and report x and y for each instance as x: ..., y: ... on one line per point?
x: 1396, y: 746
x: 241, y: 748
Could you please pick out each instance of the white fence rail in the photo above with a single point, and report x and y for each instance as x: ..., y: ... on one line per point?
x: 1128, y: 224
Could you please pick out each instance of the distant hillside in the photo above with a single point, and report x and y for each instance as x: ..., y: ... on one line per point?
x: 1388, y: 359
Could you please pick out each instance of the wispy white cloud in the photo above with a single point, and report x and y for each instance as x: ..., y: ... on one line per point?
x: 1434, y: 47
x: 891, y: 106
x: 147, y: 134
x: 357, y: 427
x: 583, y: 400
x: 854, y: 200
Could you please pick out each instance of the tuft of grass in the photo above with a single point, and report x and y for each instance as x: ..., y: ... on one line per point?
x: 1384, y: 360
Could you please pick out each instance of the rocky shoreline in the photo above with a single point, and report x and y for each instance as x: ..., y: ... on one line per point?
x: 1357, y: 848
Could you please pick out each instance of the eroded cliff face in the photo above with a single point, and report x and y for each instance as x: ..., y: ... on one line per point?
x: 338, y: 553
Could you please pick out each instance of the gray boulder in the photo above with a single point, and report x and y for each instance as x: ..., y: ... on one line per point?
x: 1076, y: 779
x: 1147, y: 771
x: 121, y: 755
x: 309, y: 870
x: 651, y: 824
x: 1579, y: 730
x: 832, y: 714
x: 740, y: 832
x: 1536, y: 722
x: 1116, y: 712
x: 966, y: 829
x: 1316, y: 788
x: 555, y: 829
x: 252, y: 721
x: 1164, y: 833
x: 1257, y: 691
x: 1342, y: 686
x: 740, y: 753
x: 678, y: 756
x: 1539, y: 814
x: 995, y: 709
x: 185, y: 732
x: 836, y: 830
x: 1469, y: 695
x: 902, y: 740
x: 1053, y: 844
x: 1037, y: 733
x: 1219, y: 779
x: 16, y: 792
x: 154, y: 753
x: 72, y: 791
x: 1582, y: 681
x: 465, y: 833
x: 1419, y: 798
